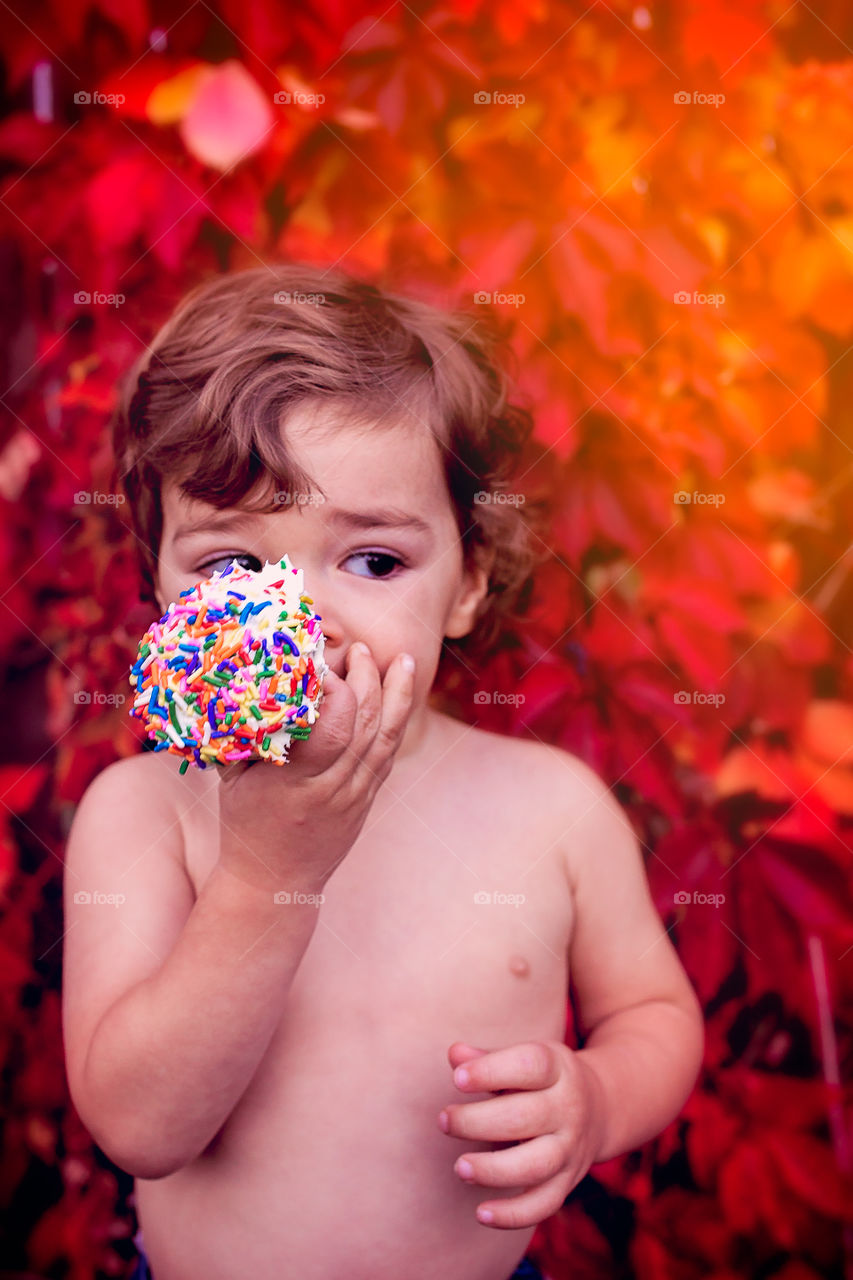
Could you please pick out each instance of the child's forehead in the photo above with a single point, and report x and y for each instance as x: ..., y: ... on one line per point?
x: 357, y: 463
x: 398, y: 465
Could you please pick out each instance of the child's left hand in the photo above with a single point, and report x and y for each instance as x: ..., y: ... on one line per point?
x: 550, y: 1114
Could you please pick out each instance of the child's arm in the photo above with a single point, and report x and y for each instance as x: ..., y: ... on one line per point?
x: 168, y: 1003
x: 637, y: 1009
x: 565, y: 1110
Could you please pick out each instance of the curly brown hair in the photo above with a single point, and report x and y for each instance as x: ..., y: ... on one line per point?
x: 206, y: 405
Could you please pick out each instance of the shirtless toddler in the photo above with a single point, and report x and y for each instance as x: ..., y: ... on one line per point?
x: 369, y: 1081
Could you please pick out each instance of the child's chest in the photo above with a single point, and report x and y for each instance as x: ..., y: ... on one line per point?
x: 458, y: 929
x: 451, y: 913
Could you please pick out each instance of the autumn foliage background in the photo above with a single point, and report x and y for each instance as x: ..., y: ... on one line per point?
x: 692, y: 629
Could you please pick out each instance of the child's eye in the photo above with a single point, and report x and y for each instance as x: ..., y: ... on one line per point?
x: 381, y: 563
x: 216, y: 566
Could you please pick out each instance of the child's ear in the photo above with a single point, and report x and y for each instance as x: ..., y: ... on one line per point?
x: 475, y: 586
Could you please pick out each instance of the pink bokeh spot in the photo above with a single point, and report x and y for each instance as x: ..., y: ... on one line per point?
x: 229, y: 118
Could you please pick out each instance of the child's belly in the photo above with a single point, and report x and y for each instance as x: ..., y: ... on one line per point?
x: 333, y: 1165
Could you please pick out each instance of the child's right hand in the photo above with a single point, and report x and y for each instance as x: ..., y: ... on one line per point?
x: 286, y: 827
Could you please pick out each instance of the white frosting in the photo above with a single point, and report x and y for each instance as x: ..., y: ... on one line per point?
x: 220, y: 591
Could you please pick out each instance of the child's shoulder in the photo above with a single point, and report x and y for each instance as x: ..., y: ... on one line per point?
x: 528, y: 758
x: 147, y: 775
x: 134, y: 793
x: 566, y: 798
x: 545, y: 777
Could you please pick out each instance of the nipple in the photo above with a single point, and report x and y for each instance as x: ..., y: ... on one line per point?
x: 519, y: 966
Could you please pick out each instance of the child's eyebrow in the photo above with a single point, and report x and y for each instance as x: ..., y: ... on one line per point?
x: 215, y: 524
x: 388, y: 518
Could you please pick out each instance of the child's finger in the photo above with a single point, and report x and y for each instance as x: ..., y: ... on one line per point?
x: 521, y: 1066
x: 460, y: 1052
x: 363, y: 678
x: 510, y: 1118
x: 528, y: 1209
x: 397, y: 693
x: 332, y: 732
x: 524, y: 1165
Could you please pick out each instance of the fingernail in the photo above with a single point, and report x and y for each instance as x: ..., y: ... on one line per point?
x: 464, y: 1168
x: 461, y: 1077
x: 444, y: 1122
x: 407, y: 662
x: 485, y: 1215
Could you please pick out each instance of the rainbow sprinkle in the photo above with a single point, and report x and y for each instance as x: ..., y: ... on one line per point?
x: 234, y: 670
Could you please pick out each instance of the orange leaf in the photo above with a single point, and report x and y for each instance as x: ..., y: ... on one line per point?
x: 789, y: 494
x: 170, y: 101
x: 834, y: 784
x: 766, y: 772
x: 827, y: 731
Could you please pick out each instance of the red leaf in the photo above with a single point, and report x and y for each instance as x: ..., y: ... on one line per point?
x: 20, y: 784
x: 137, y: 82
x: 391, y: 101
x: 816, y: 895
x: 708, y: 602
x: 705, y: 656
x: 14, y: 969
x: 583, y: 287
x: 136, y: 193
x: 24, y: 139
x: 808, y: 1167
x: 131, y: 17
x: 711, y: 1135
x: 726, y: 35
